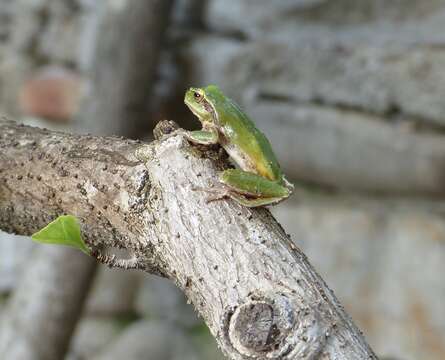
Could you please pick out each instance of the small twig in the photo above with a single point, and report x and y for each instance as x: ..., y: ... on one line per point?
x: 113, y: 262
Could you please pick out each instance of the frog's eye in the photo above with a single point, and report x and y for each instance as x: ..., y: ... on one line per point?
x: 197, y: 96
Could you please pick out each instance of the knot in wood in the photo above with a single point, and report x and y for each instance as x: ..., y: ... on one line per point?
x: 254, y: 326
x: 259, y: 328
x: 164, y: 127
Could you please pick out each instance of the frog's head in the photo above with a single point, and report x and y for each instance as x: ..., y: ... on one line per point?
x: 196, y: 100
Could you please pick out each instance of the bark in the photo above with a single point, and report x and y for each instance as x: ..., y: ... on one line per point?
x: 254, y: 288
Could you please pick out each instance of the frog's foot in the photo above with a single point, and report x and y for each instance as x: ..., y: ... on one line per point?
x: 218, y: 192
x: 222, y: 191
x: 174, y: 132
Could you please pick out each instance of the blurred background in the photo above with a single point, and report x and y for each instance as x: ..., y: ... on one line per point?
x: 350, y: 93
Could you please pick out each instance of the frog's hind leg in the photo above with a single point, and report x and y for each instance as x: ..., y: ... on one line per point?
x: 247, y: 188
x: 252, y: 190
x: 250, y: 184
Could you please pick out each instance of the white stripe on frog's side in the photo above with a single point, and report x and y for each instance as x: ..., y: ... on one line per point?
x: 239, y: 157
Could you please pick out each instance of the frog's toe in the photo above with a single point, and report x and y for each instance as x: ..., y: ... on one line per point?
x: 217, y: 192
x: 210, y: 189
x: 216, y: 197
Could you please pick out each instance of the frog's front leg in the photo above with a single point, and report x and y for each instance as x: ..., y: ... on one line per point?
x: 202, y: 137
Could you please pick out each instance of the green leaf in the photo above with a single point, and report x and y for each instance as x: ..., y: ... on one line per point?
x: 65, y: 230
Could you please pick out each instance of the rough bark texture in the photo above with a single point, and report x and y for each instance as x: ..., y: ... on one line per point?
x: 256, y: 291
x: 60, y: 276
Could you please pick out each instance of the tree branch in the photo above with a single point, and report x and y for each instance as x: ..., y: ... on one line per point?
x: 254, y: 288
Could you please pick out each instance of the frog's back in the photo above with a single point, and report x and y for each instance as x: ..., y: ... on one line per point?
x: 244, y: 142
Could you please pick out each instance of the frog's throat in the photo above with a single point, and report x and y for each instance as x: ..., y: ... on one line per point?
x: 211, y: 114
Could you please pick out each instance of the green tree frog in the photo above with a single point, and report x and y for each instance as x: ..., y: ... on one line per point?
x: 258, y: 181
